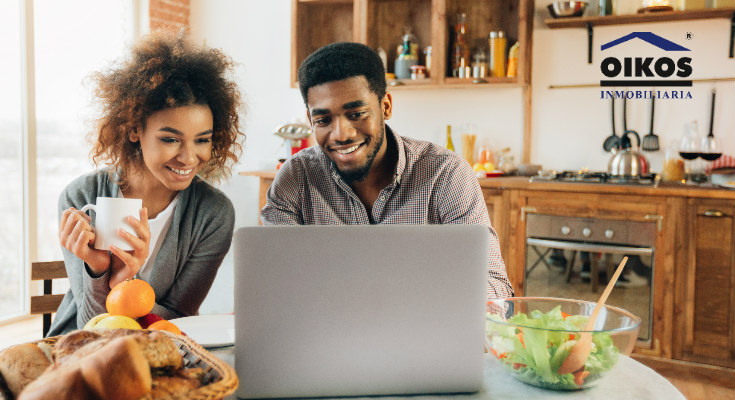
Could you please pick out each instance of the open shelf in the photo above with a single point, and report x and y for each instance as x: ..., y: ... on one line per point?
x: 662, y: 16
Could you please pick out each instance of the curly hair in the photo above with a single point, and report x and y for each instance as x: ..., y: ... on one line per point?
x: 165, y: 71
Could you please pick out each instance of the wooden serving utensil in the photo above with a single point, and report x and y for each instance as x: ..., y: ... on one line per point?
x: 581, y: 350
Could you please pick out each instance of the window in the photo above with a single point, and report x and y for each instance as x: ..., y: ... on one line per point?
x: 11, y: 161
x: 71, y: 40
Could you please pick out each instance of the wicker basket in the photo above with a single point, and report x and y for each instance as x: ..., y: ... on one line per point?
x: 220, y: 379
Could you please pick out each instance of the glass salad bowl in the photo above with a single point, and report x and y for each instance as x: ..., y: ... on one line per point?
x: 531, y: 337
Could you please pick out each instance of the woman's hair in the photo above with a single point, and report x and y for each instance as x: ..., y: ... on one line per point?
x: 165, y: 71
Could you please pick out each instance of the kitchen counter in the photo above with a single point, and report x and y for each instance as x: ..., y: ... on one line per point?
x: 662, y: 189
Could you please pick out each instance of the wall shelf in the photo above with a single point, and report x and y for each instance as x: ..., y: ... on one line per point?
x: 581, y: 22
x: 661, y: 16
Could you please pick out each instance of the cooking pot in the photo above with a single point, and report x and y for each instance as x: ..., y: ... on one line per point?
x: 626, y: 160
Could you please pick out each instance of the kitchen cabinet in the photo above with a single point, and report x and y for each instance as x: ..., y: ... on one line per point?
x: 496, y: 201
x: 382, y: 23
x: 705, y: 308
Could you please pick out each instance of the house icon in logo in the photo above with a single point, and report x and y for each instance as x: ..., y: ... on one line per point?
x: 651, y: 38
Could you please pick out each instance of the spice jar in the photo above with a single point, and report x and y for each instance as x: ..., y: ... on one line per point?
x: 673, y: 168
x: 479, y: 67
x: 418, y: 72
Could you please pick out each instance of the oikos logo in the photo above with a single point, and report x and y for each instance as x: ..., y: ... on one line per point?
x: 655, y: 70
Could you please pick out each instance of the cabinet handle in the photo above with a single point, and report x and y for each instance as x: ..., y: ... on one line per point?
x: 658, y: 218
x: 714, y: 213
x: 525, y: 210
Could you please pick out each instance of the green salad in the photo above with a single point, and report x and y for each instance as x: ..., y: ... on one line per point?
x: 534, y: 355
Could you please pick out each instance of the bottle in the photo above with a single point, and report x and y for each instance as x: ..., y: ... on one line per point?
x: 606, y: 7
x: 497, y: 53
x: 427, y: 54
x: 461, y: 51
x: 450, y: 145
x: 512, y: 71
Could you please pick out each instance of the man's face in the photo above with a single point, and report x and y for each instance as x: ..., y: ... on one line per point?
x: 348, y: 122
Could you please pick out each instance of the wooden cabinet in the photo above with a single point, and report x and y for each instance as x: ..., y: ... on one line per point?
x: 497, y: 202
x: 705, y: 307
x: 382, y: 23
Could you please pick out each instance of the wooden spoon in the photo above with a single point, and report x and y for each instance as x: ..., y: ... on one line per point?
x: 581, y: 350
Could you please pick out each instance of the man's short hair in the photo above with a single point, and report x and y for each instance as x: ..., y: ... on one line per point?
x: 342, y: 60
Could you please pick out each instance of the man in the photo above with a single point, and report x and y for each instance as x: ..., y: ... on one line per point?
x: 361, y: 172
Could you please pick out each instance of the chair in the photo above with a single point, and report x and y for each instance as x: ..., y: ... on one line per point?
x: 47, y: 303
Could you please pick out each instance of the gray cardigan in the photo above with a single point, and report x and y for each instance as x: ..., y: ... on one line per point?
x: 197, y: 241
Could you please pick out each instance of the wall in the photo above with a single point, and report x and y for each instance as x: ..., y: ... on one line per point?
x: 569, y: 125
x: 169, y: 14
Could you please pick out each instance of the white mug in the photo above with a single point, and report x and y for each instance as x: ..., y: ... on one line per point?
x: 111, y: 214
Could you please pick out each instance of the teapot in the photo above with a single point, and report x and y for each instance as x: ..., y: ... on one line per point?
x: 626, y: 160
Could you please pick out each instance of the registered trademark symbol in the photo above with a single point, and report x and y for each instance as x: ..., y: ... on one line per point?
x: 689, y: 36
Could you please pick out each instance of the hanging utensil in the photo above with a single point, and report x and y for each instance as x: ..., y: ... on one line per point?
x: 650, y: 141
x: 581, y: 349
x: 710, y: 148
x: 611, y: 141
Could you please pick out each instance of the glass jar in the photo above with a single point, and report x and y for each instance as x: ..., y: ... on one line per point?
x: 461, y: 50
x: 673, y: 168
x: 497, y: 43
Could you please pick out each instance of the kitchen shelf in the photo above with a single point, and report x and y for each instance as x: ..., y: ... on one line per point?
x: 662, y: 16
x: 454, y: 83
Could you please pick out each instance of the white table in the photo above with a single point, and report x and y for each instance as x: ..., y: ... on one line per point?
x: 628, y: 380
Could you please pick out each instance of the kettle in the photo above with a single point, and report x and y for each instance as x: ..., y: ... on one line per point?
x: 626, y: 160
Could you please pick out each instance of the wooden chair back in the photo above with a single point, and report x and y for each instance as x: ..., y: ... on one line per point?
x: 47, y: 303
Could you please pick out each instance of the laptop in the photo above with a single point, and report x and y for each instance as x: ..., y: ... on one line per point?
x: 357, y: 310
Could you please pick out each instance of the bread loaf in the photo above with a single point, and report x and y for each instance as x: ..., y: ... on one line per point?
x: 71, y: 342
x: 118, y: 370
x: 59, y: 383
x: 21, y: 364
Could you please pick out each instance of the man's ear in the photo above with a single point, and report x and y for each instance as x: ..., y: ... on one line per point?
x: 134, y: 136
x: 387, y: 105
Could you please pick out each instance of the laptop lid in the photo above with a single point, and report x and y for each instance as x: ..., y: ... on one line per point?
x: 359, y: 309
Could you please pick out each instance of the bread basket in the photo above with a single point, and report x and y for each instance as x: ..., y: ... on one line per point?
x: 220, y: 378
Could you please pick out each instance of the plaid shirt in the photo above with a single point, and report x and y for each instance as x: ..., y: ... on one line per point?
x: 431, y: 185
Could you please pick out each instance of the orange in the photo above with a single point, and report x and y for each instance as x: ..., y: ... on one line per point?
x: 164, y: 325
x: 132, y: 298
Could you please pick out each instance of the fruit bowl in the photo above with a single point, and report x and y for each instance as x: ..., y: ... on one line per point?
x: 531, y: 337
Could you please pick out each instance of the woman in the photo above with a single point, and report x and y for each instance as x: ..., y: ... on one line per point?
x: 169, y: 119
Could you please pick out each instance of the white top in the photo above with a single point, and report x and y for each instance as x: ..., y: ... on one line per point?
x: 158, y: 226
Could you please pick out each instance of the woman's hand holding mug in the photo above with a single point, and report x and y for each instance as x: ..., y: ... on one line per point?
x: 77, y: 236
x: 113, y: 221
